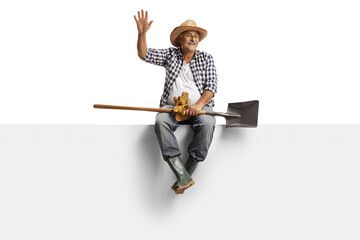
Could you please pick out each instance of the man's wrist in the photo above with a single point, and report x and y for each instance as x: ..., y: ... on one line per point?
x: 199, y: 105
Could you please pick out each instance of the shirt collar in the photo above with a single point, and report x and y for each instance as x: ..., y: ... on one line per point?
x: 181, y: 57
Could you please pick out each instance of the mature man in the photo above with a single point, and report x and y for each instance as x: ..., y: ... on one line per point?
x: 189, y: 70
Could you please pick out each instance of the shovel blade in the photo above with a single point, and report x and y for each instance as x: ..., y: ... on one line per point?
x: 247, y: 110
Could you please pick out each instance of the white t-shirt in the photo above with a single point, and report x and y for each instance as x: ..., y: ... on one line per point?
x: 184, y: 83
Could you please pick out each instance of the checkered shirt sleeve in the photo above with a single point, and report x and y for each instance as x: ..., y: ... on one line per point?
x: 210, y: 81
x: 156, y: 56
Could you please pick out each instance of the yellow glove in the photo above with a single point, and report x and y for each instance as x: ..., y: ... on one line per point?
x: 182, y: 103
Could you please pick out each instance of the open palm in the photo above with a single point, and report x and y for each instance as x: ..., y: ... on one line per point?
x: 142, y: 22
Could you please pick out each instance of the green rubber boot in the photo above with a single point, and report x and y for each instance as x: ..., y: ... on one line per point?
x: 190, y: 166
x: 184, y: 180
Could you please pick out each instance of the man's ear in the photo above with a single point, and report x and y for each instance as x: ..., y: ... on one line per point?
x: 179, y: 38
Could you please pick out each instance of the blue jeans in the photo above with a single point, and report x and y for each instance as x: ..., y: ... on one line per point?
x: 203, y: 126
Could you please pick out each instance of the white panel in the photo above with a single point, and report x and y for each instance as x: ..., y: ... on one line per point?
x: 109, y: 182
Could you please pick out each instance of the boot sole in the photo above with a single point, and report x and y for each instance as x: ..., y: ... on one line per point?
x: 180, y: 190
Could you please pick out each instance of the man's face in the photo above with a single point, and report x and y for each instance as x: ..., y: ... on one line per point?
x: 189, y: 40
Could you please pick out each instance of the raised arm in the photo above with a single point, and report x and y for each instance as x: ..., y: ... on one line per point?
x: 143, y: 26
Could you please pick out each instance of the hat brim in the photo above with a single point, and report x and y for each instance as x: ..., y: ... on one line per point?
x: 178, y: 30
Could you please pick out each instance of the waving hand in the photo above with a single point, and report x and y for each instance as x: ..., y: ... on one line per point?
x: 142, y: 22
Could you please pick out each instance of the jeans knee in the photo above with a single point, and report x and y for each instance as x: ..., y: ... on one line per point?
x: 162, y: 122
x: 158, y: 125
x: 207, y: 123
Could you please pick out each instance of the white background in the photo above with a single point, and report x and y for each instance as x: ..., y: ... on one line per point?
x: 58, y: 58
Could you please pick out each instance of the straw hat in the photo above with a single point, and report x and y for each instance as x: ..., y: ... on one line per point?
x: 185, y: 26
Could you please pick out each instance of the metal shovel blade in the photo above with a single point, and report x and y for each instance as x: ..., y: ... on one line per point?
x: 248, y: 112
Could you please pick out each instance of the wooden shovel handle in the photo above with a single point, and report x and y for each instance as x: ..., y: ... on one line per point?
x: 164, y: 110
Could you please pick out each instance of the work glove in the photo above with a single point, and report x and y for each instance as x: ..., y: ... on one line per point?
x: 182, y: 103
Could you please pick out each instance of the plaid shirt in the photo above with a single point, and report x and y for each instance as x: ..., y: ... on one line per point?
x: 202, y: 67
